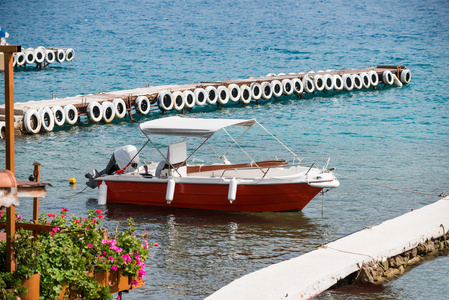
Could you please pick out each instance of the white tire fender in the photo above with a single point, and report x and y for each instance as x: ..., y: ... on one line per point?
x: 142, y: 104
x: 50, y: 56
x: 366, y: 82
x: 164, y: 101
x: 59, y: 115
x: 120, y: 108
x: 108, y: 112
x: 223, y: 95
x: 328, y: 82
x: 189, y: 97
x: 60, y: 55
x: 69, y: 54
x: 71, y: 114
x: 234, y: 92
x: 307, y: 82
x: 211, y: 94
x: 200, y: 96
x: 387, y: 77
x: 256, y: 90
x: 94, y: 112
x: 267, y: 90
x: 287, y: 87
x: 357, y: 82
x: 32, y: 121
x: 406, y: 75
x: 318, y: 81
x: 178, y: 101
x: 348, y: 82
x: 245, y: 94
x: 338, y: 83
x: 374, y: 79
x: 277, y: 88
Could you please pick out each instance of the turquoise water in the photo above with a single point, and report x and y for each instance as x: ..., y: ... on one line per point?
x: 393, y: 137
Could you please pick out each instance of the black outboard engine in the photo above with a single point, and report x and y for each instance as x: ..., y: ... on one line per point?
x: 119, y: 159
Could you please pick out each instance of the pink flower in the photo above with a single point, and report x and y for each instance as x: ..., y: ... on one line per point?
x: 103, y: 241
x: 98, y: 211
x: 100, y: 216
x: 134, y: 282
x: 156, y: 245
x: 2, y: 212
x: 19, y: 217
x: 111, y: 258
x: 118, y: 297
x: 90, y: 246
x: 114, y: 268
x: 95, y: 220
x: 65, y: 209
x: 77, y: 221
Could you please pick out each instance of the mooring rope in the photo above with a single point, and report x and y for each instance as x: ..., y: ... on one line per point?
x: 65, y: 197
x: 393, y: 188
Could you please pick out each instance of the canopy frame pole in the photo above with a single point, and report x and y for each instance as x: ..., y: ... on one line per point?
x: 235, y: 141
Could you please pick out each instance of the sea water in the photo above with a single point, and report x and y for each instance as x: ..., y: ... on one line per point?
x: 395, y: 137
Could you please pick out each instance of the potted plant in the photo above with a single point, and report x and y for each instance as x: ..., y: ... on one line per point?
x: 79, y: 259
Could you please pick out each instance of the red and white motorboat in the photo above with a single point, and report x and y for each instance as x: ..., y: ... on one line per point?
x: 276, y: 184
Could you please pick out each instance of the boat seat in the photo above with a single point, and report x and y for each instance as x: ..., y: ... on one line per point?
x: 260, y: 164
x: 176, y: 156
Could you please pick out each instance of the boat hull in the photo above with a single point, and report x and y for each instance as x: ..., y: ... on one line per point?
x: 249, y: 197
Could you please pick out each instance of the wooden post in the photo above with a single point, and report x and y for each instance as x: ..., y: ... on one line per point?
x: 37, y: 178
x: 9, y: 123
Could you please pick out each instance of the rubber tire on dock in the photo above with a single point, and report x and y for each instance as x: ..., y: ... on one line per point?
x: 120, y: 108
x: 14, y: 59
x: 223, y: 95
x: 318, y: 81
x: 47, y: 119
x: 20, y: 58
x: 69, y: 54
x: 277, y: 88
x: 406, y: 76
x: 32, y: 122
x: 30, y: 57
x: 234, y: 92
x: 357, y: 82
x: 39, y: 55
x: 298, y: 88
x: 307, y: 82
x: 60, y: 55
x: 178, y: 101
x: 267, y: 90
x: 245, y: 94
x: 374, y: 79
x: 50, y: 56
x: 142, y: 104
x: 211, y: 94
x: 71, y: 114
x: 200, y: 96
x: 287, y: 87
x: 256, y: 90
x: 366, y: 82
x: 108, y: 112
x: 328, y: 82
x: 2, y: 130
x: 94, y: 112
x: 270, y: 75
x: 189, y: 96
x: 387, y: 77
x: 58, y: 115
x: 348, y: 82
x: 338, y: 83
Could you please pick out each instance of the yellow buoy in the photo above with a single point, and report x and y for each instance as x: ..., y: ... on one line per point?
x: 72, y: 181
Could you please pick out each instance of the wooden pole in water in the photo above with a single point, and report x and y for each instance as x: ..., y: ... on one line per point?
x: 37, y: 178
x: 8, y: 52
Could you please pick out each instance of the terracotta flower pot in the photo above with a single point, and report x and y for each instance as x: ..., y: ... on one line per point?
x: 33, y: 286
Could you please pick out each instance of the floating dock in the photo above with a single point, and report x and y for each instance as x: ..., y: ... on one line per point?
x: 39, y: 57
x: 311, y: 274
x: 42, y: 116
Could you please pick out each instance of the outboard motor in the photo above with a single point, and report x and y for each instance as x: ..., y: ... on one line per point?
x: 119, y: 159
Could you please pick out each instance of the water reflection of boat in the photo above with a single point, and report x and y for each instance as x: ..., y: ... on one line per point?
x: 275, y: 184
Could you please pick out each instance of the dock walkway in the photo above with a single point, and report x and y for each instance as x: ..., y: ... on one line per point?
x: 308, y: 275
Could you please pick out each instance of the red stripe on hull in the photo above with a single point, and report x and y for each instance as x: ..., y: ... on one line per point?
x: 281, y: 197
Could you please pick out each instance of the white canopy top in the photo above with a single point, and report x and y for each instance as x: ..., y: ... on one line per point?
x: 190, y: 127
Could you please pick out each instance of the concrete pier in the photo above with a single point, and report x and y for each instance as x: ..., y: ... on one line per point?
x: 308, y: 275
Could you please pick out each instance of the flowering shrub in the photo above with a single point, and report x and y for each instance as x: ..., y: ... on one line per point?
x: 75, y: 248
